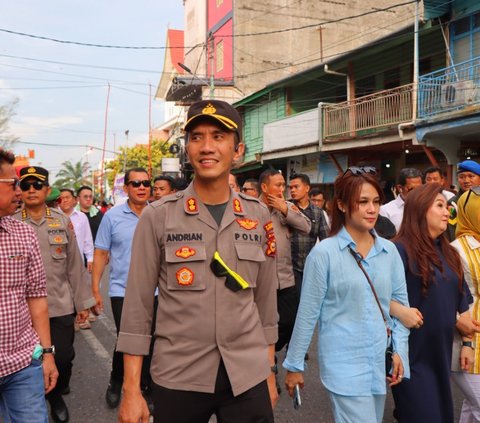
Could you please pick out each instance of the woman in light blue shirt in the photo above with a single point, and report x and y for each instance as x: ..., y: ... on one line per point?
x: 352, y: 333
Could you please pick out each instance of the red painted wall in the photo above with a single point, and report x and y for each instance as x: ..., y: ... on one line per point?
x: 215, y: 14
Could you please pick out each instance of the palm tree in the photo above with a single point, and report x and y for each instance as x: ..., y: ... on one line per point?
x: 73, y: 175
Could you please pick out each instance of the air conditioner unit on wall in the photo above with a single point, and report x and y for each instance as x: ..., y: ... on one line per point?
x: 458, y: 93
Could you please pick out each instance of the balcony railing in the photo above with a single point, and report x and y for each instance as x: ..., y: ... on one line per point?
x: 369, y: 114
x: 449, y: 89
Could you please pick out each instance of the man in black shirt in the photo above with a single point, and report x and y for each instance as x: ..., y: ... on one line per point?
x: 85, y: 204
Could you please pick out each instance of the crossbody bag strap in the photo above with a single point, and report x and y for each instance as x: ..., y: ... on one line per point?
x: 357, y: 258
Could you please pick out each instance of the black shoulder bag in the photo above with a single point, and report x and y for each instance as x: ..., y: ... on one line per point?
x: 389, y: 350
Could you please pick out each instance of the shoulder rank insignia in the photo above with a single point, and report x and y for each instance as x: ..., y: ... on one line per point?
x: 237, y: 206
x: 184, y: 276
x: 185, y: 252
x: 192, y: 205
x: 271, y: 243
x: 271, y: 247
x: 247, y: 224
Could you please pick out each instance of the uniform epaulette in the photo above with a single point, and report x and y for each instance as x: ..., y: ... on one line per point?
x: 248, y: 197
x: 168, y: 199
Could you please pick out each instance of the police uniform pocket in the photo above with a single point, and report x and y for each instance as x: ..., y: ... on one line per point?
x: 186, y: 267
x: 250, y: 257
x: 58, y: 244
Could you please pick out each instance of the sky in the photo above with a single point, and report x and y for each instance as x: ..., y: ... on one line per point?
x: 65, y: 103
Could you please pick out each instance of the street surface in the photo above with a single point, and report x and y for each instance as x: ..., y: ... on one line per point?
x: 91, y: 372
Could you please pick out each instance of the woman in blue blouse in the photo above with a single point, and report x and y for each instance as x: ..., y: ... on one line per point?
x: 336, y: 294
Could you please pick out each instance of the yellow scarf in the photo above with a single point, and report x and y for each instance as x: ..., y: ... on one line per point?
x: 468, y: 217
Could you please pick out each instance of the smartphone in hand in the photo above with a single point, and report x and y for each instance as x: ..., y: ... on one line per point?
x: 297, y: 399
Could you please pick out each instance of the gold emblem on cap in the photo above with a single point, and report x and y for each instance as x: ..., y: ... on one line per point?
x: 209, y: 109
x: 31, y: 170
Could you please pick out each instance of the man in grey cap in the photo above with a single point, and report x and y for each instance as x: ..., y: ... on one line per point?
x: 210, y: 252
x: 468, y: 176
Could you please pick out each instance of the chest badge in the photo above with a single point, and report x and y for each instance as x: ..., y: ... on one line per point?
x: 237, y: 206
x: 247, y: 224
x: 192, y: 205
x: 57, y: 239
x: 185, y: 252
x: 185, y: 276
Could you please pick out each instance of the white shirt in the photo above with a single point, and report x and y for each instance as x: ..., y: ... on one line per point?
x: 448, y: 194
x: 83, y: 233
x: 394, y: 211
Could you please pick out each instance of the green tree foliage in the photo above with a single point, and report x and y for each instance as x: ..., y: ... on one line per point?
x: 137, y: 156
x: 73, y: 175
x: 7, y: 111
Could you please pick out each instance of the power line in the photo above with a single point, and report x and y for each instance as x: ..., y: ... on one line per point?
x: 80, y: 65
x: 39, y: 37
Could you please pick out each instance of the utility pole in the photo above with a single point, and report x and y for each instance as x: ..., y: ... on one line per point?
x: 211, y: 40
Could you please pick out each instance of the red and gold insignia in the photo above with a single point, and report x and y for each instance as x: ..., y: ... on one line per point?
x: 59, y: 250
x: 192, y: 205
x: 58, y: 239
x: 184, y: 276
x: 271, y: 248
x: 185, y: 252
x: 247, y: 224
x: 268, y: 227
x: 237, y: 206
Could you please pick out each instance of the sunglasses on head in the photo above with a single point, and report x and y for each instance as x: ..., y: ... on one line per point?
x: 475, y: 190
x: 136, y: 184
x: 355, y: 170
x: 233, y: 280
x: 37, y: 185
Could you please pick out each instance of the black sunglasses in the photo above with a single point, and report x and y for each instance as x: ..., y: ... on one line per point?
x: 233, y: 280
x: 355, y: 170
x: 136, y: 184
x: 475, y: 190
x: 37, y: 185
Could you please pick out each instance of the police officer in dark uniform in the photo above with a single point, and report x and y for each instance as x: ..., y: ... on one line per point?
x: 210, y: 252
x: 66, y: 289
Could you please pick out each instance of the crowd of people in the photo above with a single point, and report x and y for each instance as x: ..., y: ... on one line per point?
x: 210, y: 281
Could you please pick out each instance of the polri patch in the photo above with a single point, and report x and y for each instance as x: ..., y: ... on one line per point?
x: 185, y: 276
x: 247, y: 224
x: 185, y: 252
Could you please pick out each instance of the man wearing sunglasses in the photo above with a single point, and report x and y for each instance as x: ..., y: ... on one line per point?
x: 210, y: 251
x: 114, y: 242
x: 24, y: 318
x: 67, y: 290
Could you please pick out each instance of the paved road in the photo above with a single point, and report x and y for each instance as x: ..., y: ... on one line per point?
x: 91, y: 373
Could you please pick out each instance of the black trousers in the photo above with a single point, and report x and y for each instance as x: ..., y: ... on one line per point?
x: 117, y: 360
x: 62, y: 334
x: 175, y: 406
x: 287, y: 303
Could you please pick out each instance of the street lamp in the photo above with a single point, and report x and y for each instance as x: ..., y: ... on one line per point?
x: 211, y: 83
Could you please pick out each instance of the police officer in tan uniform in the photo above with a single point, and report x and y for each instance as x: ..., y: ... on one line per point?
x: 66, y: 289
x: 210, y: 251
x: 286, y: 217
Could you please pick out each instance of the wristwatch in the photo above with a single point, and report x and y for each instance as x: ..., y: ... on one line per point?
x: 274, y: 369
x: 468, y: 344
x: 49, y: 350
